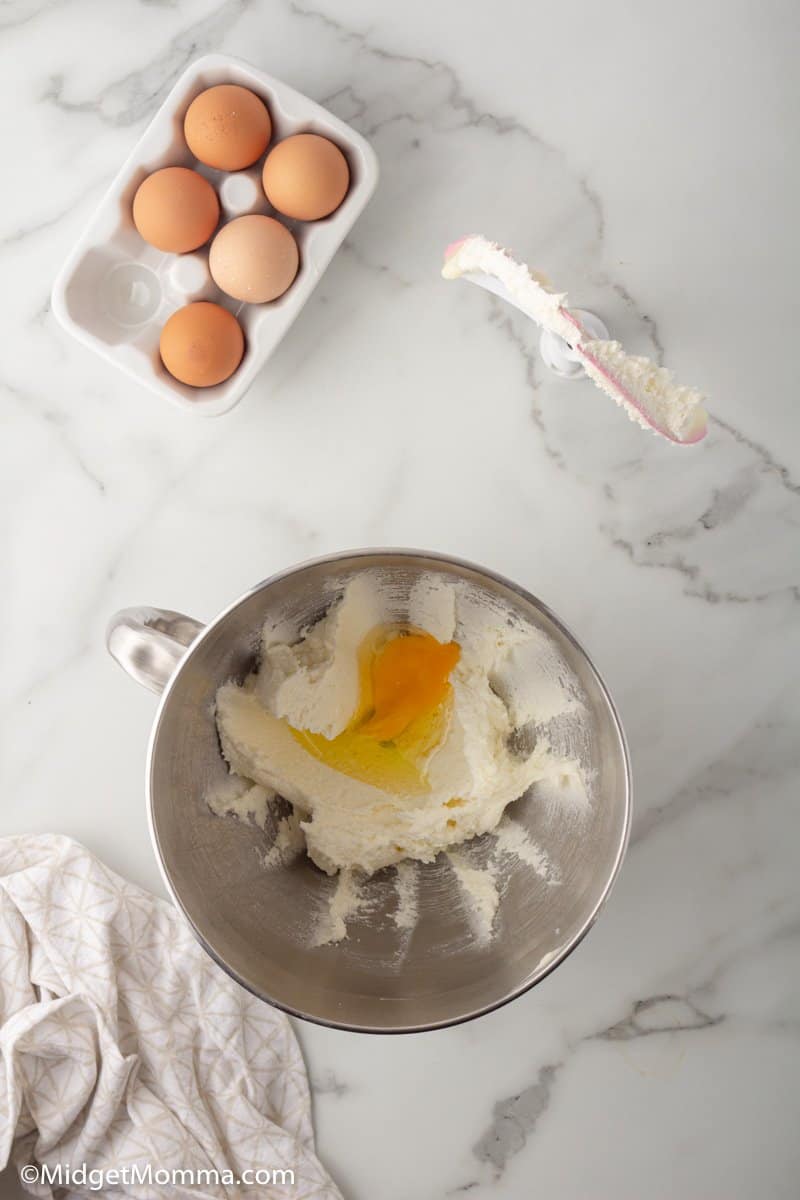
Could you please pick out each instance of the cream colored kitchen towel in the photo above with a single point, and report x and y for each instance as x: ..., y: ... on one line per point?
x: 123, y: 1045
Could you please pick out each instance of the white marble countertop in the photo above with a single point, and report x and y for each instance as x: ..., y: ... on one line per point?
x: 642, y: 155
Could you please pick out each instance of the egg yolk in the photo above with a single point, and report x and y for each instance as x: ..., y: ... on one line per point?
x: 403, y: 711
x: 410, y: 678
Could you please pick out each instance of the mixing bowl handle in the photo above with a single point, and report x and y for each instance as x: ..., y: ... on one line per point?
x: 149, y: 643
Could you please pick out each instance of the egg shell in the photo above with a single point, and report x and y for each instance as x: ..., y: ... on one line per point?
x: 254, y: 258
x: 227, y: 127
x: 201, y: 344
x: 175, y: 210
x: 306, y: 177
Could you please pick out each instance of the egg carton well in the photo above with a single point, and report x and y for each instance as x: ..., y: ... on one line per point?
x: 115, y: 292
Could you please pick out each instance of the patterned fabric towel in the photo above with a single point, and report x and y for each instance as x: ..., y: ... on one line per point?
x: 122, y: 1045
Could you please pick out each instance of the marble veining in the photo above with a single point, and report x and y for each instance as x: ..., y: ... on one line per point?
x: 514, y: 1119
x: 653, y: 181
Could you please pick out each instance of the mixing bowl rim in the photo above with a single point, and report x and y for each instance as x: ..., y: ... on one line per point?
x: 434, y: 558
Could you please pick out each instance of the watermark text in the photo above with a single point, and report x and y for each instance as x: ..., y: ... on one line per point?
x: 96, y: 1179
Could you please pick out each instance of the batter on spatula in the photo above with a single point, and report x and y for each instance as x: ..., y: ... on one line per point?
x: 646, y: 392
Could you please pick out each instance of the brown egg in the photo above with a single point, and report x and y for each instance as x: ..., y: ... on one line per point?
x: 227, y: 127
x: 202, y: 344
x: 306, y: 177
x: 254, y: 258
x: 176, y: 210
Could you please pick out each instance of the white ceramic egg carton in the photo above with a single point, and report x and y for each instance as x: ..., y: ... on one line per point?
x: 115, y: 292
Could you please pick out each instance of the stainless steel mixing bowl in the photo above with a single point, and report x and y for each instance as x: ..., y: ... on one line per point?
x: 255, y: 922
